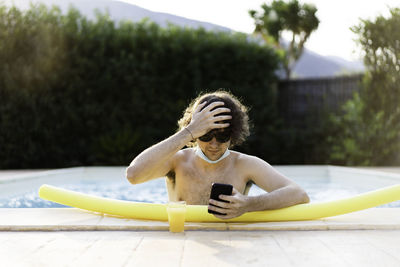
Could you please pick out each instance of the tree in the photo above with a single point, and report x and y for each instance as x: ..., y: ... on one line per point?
x: 299, y: 20
x: 380, y: 41
x: 370, y: 131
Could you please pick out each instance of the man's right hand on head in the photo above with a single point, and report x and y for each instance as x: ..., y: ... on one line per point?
x: 205, y: 119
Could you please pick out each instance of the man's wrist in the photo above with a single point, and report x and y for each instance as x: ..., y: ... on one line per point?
x: 190, y: 132
x: 256, y: 203
x: 249, y: 203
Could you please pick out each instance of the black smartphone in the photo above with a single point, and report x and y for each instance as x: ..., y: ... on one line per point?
x: 220, y: 189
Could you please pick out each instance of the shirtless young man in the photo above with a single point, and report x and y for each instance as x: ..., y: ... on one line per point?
x: 213, y: 123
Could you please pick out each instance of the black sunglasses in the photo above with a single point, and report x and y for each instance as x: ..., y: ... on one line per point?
x: 222, y: 137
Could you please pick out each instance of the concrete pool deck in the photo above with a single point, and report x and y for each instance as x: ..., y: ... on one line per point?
x: 74, y: 237
x: 201, y: 248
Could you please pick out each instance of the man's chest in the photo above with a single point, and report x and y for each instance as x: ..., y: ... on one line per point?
x: 194, y: 185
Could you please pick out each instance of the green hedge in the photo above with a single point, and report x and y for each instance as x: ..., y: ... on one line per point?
x: 79, y: 92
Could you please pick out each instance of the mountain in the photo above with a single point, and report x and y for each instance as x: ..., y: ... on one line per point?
x: 118, y: 10
x: 310, y: 64
x: 355, y: 65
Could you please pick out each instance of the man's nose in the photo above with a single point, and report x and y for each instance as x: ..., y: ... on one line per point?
x: 214, y: 141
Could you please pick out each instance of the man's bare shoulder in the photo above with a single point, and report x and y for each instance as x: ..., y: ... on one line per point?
x: 245, y: 160
x: 253, y: 166
x: 183, y: 154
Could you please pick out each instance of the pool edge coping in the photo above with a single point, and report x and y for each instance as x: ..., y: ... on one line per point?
x: 73, y: 219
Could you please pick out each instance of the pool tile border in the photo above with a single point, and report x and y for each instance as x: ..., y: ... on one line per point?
x: 72, y: 219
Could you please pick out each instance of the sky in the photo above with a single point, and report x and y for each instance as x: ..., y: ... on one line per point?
x: 332, y: 38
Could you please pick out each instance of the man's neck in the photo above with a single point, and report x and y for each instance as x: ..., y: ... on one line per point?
x: 207, y: 163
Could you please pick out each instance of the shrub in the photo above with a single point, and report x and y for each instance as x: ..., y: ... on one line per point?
x: 80, y: 92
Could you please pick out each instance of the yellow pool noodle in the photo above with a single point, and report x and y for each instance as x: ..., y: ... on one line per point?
x: 198, y: 213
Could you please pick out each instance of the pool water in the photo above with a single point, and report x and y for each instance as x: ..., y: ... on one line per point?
x: 111, y: 183
x: 153, y: 191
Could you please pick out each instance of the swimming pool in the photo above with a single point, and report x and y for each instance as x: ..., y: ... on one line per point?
x: 322, y: 183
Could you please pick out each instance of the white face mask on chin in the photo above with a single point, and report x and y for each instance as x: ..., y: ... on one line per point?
x: 200, y: 153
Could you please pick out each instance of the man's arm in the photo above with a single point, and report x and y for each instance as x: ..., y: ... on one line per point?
x: 283, y: 192
x: 158, y: 160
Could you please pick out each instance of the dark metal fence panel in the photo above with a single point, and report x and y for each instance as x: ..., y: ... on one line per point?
x: 303, y: 100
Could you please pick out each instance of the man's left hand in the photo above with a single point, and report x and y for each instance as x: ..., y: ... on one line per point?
x: 237, y: 205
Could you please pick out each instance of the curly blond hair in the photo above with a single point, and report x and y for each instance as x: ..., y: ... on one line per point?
x: 239, y: 124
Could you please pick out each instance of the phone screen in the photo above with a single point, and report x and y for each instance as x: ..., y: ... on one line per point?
x: 220, y: 189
